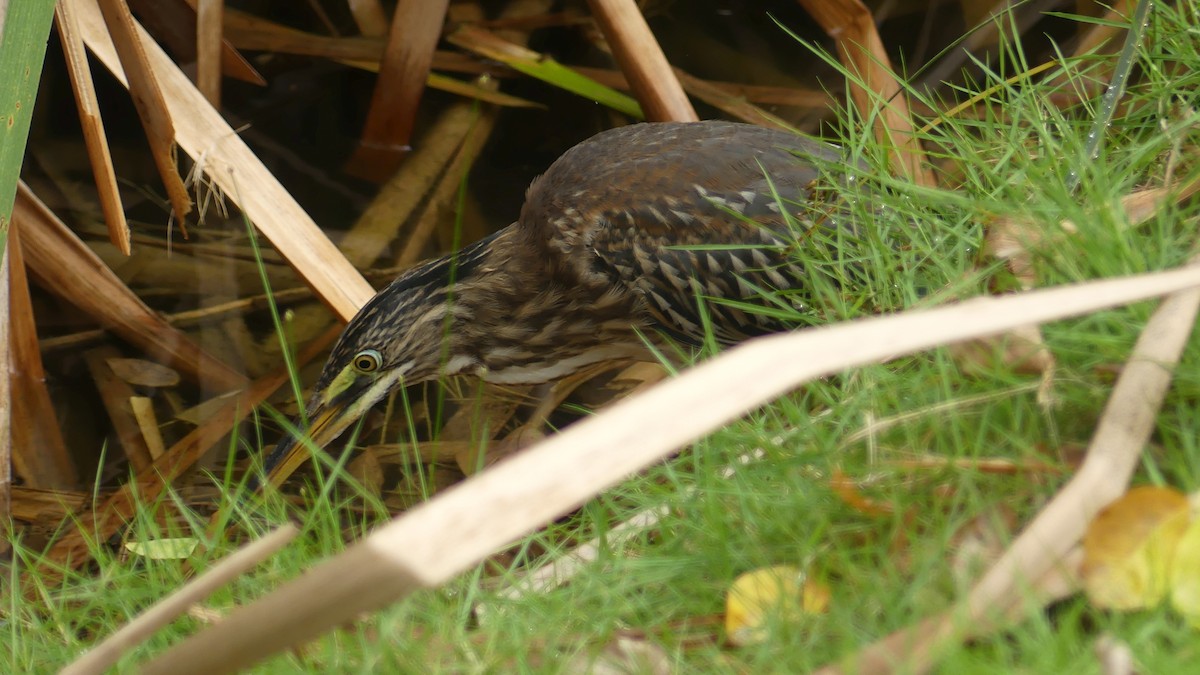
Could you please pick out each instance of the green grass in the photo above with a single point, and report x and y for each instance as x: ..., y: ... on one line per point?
x: 886, y: 571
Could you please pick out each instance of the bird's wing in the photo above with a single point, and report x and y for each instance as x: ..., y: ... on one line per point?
x: 697, y: 219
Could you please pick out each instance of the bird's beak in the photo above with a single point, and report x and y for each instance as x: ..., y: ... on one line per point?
x: 331, y: 410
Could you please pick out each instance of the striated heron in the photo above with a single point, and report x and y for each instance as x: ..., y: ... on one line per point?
x: 667, y: 228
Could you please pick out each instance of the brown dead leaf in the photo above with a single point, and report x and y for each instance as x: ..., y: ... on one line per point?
x: 1016, y: 240
x: 368, y: 470
x: 143, y: 373
x: 473, y: 458
x: 1021, y: 350
x: 1129, y: 546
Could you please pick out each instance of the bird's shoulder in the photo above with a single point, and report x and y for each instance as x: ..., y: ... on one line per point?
x: 678, y: 211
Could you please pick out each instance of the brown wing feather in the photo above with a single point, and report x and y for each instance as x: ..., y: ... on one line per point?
x: 678, y: 211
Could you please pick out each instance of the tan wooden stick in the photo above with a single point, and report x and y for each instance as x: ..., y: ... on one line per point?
x: 642, y: 61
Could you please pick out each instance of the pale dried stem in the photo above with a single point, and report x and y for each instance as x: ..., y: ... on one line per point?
x: 147, y: 99
x: 115, y: 393
x: 209, y: 49
x: 880, y: 96
x: 39, y: 454
x: 416, y: 27
x: 642, y: 61
x: 94, y: 138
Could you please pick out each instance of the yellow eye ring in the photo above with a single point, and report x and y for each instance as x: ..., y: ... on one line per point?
x: 367, y: 361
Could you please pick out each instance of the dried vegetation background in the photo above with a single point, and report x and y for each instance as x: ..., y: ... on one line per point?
x: 345, y: 132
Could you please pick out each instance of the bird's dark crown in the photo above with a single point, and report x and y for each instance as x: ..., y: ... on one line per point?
x: 396, y: 323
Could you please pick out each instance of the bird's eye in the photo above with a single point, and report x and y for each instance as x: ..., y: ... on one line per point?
x: 367, y: 361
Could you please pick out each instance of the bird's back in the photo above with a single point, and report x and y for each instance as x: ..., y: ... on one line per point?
x: 682, y: 211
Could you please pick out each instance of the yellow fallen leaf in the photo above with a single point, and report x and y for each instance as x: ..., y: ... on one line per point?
x: 779, y: 593
x: 1185, y: 575
x: 1129, y: 547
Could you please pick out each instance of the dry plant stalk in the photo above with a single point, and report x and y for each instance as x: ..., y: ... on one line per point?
x: 39, y: 453
x: 175, y: 24
x: 45, y: 506
x: 115, y: 393
x: 369, y: 17
x: 209, y: 49
x: 642, y: 61
x: 455, y: 530
x: 475, y: 136
x: 731, y: 104
x: 727, y: 91
x: 148, y: 100
x: 851, y: 25
x: 67, y: 267
x: 204, y: 134
x: 94, y: 138
x: 416, y: 27
x: 105, y: 655
x: 392, y: 206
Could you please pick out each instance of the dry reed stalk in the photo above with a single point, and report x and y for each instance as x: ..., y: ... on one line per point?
x: 880, y: 96
x: 39, y: 454
x: 174, y: 23
x: 393, y: 205
x: 190, y: 317
x: 148, y: 100
x: 94, y: 137
x: 416, y: 27
x: 369, y: 17
x: 247, y: 31
x: 204, y: 134
x: 68, y: 268
x: 765, y: 94
x: 209, y: 49
x: 642, y: 61
x: 734, y: 106
x: 437, y: 540
x: 437, y: 166
x: 45, y: 506
x: 115, y: 394
x: 475, y: 135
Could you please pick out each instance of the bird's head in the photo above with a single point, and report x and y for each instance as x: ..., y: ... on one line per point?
x: 408, y: 333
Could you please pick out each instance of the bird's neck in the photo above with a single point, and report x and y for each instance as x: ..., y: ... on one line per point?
x: 520, y: 315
